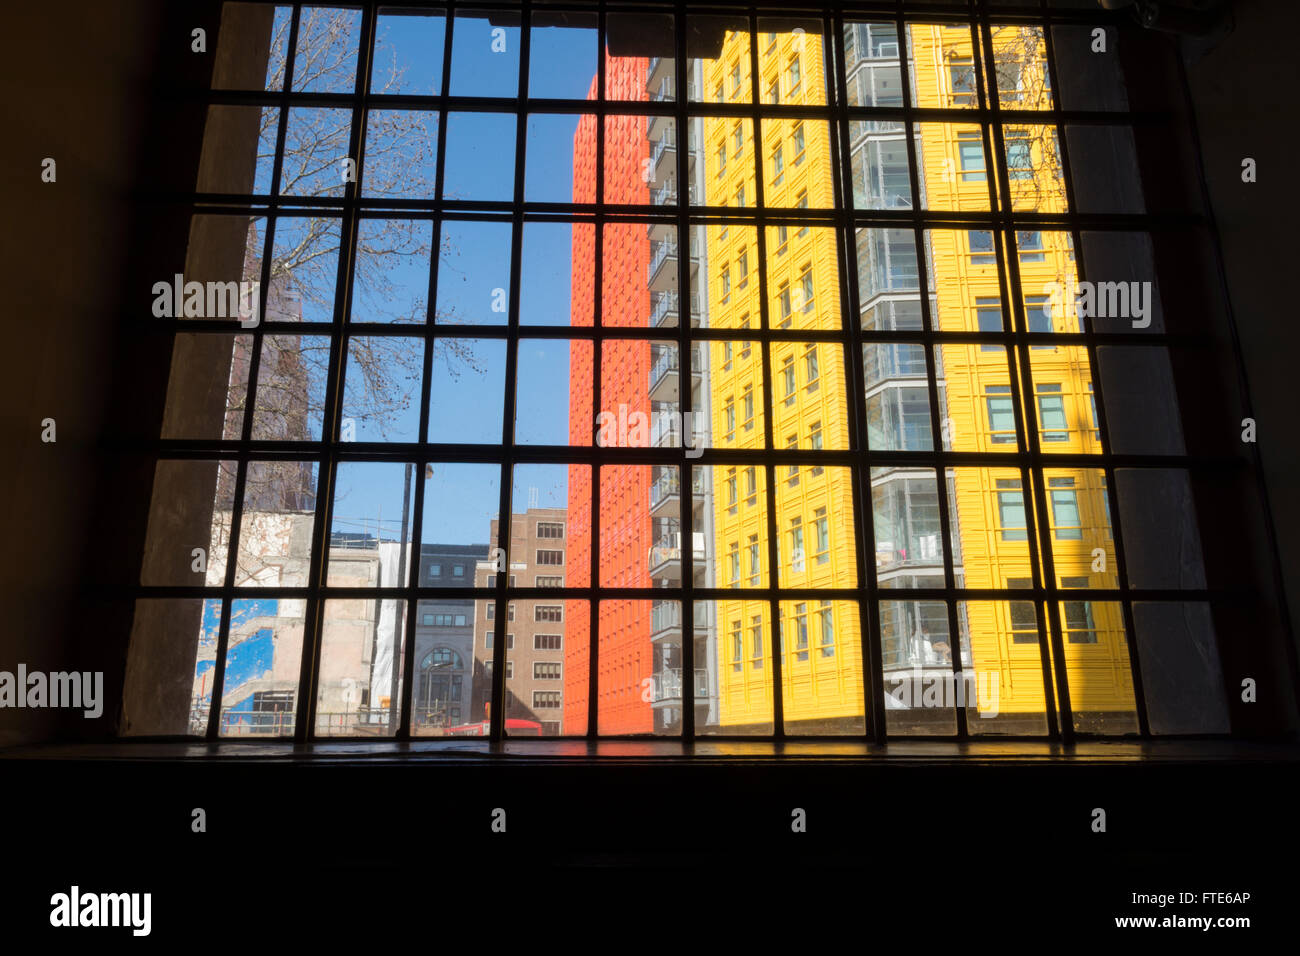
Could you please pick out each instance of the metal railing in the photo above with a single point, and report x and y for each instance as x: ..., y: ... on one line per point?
x: 668, y: 684
x: 664, y: 304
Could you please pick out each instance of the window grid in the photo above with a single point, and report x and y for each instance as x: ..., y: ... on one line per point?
x: 329, y: 452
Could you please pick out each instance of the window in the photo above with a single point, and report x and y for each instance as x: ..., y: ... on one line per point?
x: 751, y: 484
x: 548, y: 642
x: 802, y: 203
x: 782, y: 238
x: 546, y: 670
x: 1023, y: 617
x: 774, y: 91
x: 748, y: 407
x: 796, y: 544
x: 778, y: 165
x: 822, y: 536
x: 988, y: 315
x: 722, y: 159
x: 1020, y: 163
x: 548, y: 612
x: 806, y: 288
x: 740, y: 198
x: 811, y: 370
x: 783, y: 297
x: 550, y: 557
x: 792, y: 479
x: 795, y: 74
x: 428, y: 618
x: 826, y: 621
x: 737, y: 646
x: 815, y: 443
x: 738, y: 140
x: 729, y: 413
x: 1065, y: 509
x: 800, y: 622
x: 726, y: 355
x: 546, y: 699
x: 1092, y: 409
x: 458, y: 570
x: 1011, y: 510
x: 510, y: 641
x: 961, y: 77
x: 981, y: 249
x: 787, y: 379
x: 489, y: 608
x: 1002, y: 416
x: 970, y: 151
x: 732, y: 495
x: 797, y: 136
x: 1080, y: 625
x: 1030, y: 245
x: 742, y: 267
x: 754, y: 572
x: 735, y: 79
x: 1051, y: 414
x: 1039, y: 316
x: 550, y: 529
x: 756, y: 640
x: 549, y: 581
x: 435, y: 570
x: 733, y: 563
x: 726, y: 281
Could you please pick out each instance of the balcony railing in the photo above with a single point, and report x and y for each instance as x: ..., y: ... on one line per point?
x: 666, y: 195
x: 668, y: 684
x: 269, y: 723
x: 669, y: 549
x: 665, y: 304
x: 670, y: 483
x: 667, y: 616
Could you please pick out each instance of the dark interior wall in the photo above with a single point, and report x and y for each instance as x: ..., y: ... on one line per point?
x: 102, y: 89
x: 86, y: 84
x: 1242, y: 90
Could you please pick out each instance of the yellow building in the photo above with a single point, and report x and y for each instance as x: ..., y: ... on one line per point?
x: 822, y: 663
x: 822, y: 667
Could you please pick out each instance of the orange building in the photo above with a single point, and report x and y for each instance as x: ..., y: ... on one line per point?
x: 625, y: 525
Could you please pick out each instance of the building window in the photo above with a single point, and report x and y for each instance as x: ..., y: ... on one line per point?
x: 815, y: 443
x: 549, y: 581
x: 796, y: 545
x: 961, y: 76
x: 798, y: 138
x: 970, y: 151
x: 1038, y: 315
x: 550, y: 529
x: 778, y: 165
x: 796, y: 75
x: 458, y: 570
x: 550, y: 557
x: 737, y: 647
x: 826, y: 618
x: 747, y: 405
x: 733, y: 563
x: 742, y: 268
x: 981, y: 251
x: 988, y: 316
x: 1024, y: 618
x: 754, y: 572
x: 722, y: 159
x: 751, y: 485
x: 812, y: 372
x: 1065, y: 509
x: 1051, y: 414
x: 1030, y: 246
x: 822, y: 536
x: 510, y: 640
x: 546, y: 670
x: 1011, y: 510
x: 1002, y: 415
x: 546, y: 699
x: 756, y: 641
x: 732, y: 495
x: 787, y: 379
x: 548, y: 642
x: 548, y: 612
x: 800, y: 622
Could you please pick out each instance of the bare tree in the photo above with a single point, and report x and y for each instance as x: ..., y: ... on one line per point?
x: 383, y: 372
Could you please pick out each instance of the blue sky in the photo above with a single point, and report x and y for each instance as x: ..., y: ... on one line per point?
x: 461, y: 499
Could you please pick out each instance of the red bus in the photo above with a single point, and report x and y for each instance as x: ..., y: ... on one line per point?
x: 514, y: 728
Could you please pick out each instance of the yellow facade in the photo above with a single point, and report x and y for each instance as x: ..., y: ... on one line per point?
x: 824, y: 684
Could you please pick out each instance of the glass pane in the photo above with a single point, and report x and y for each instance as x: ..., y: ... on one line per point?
x: 259, y: 692
x: 359, y: 688
x: 640, y: 529
x: 736, y: 638
x: 325, y: 60
x: 558, y: 168
x: 461, y: 504
x: 1002, y: 668
x: 238, y: 150
x: 547, y: 369
x: 791, y: 55
x: 720, y: 60
x: 314, y: 140
x: 905, y: 515
x: 814, y: 518
x: 401, y: 158
x: 408, y: 52
x: 954, y: 167
x: 640, y: 687
x: 484, y: 56
x: 557, y: 284
x: 474, y: 273
x: 550, y: 543
x: 189, y: 498
x: 480, y: 160
x: 822, y: 668
x: 731, y: 527
x: 917, y: 669
x: 276, y: 526
x: 368, y: 549
x: 169, y: 668
x: 942, y: 65
x: 467, y: 393
x: 639, y: 62
x: 562, y: 55
x: 381, y: 393
x: 391, y: 278
x: 803, y: 279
